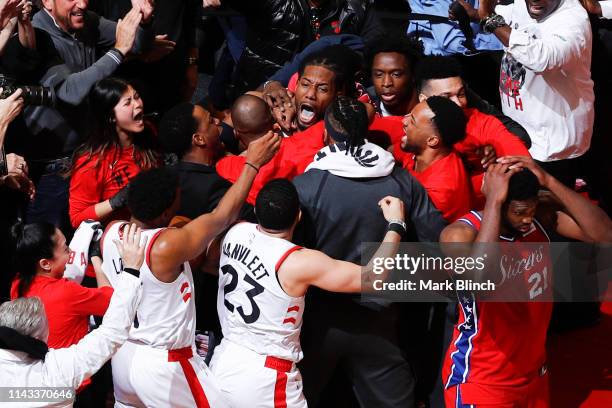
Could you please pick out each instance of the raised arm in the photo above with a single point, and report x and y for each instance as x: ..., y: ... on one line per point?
x: 175, y: 246
x: 68, y: 367
x: 309, y: 267
x: 586, y: 221
x: 73, y: 87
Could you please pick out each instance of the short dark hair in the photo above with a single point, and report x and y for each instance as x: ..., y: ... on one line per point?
x: 277, y: 205
x: 349, y: 116
x: 449, y: 119
x: 523, y: 186
x: 176, y: 129
x: 410, y: 47
x: 437, y: 67
x: 341, y: 60
x: 152, y: 192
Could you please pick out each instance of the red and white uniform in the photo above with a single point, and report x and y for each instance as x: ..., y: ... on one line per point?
x: 497, y: 354
x: 255, y: 362
x: 158, y: 365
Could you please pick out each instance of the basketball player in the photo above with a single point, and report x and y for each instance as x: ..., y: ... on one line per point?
x: 157, y: 366
x: 497, y: 355
x: 263, y: 278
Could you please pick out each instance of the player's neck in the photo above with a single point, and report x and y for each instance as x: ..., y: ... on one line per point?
x: 286, y: 234
x: 199, y: 156
x: 142, y: 225
x: 423, y: 160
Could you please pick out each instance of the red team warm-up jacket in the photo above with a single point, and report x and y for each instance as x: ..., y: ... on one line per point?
x: 481, y: 129
x: 295, y: 154
x: 92, y: 183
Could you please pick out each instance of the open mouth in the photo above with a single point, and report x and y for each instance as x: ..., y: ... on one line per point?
x: 78, y: 14
x: 139, y: 117
x: 388, y: 97
x: 524, y: 228
x: 306, y: 114
x: 535, y: 9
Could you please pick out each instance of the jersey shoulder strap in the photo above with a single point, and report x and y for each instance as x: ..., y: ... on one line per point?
x: 473, y: 219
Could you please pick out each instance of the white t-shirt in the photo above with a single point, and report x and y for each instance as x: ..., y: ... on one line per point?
x: 545, y: 79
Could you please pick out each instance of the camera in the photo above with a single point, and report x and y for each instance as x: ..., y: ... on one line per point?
x: 32, y: 95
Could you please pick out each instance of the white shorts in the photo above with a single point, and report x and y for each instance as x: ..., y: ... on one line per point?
x: 147, y: 377
x: 251, y: 380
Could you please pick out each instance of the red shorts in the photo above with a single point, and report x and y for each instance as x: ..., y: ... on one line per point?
x: 532, y: 395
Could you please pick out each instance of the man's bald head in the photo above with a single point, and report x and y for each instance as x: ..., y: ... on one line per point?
x: 251, y: 118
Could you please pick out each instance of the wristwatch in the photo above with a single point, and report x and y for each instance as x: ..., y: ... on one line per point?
x: 398, y: 226
x: 492, y: 22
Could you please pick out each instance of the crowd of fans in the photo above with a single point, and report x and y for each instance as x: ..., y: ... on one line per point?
x: 451, y: 127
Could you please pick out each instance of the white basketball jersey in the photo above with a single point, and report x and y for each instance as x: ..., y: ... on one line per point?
x: 165, y: 318
x: 254, y: 310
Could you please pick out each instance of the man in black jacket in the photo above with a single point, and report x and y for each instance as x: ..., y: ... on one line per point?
x: 191, y: 133
x: 338, y: 193
x: 278, y: 30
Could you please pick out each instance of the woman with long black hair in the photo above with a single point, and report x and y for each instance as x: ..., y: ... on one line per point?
x: 119, y: 146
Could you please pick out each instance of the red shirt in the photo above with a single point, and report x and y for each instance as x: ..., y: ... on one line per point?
x: 445, y: 180
x: 386, y: 131
x: 68, y: 306
x: 91, y: 184
x: 502, y: 344
x: 295, y: 154
x: 483, y: 129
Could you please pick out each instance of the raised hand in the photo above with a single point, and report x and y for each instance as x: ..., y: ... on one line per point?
x: 525, y: 162
x: 8, y: 10
x: 281, y: 103
x: 496, y: 180
x: 131, y: 250
x: 263, y: 149
x: 126, y: 30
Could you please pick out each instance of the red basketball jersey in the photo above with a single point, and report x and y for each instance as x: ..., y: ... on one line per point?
x: 503, y: 343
